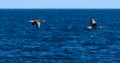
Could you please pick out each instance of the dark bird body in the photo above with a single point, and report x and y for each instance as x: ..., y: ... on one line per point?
x: 93, y: 24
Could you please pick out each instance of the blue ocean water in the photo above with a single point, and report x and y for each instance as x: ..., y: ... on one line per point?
x: 64, y: 38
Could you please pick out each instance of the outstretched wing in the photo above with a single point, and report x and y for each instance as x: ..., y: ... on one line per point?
x: 42, y: 20
x: 33, y: 23
x: 38, y: 24
x: 93, y: 23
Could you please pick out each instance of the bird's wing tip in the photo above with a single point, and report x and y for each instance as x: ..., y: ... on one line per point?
x: 43, y: 20
x: 31, y: 21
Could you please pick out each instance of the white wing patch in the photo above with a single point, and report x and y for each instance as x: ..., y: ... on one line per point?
x: 89, y: 27
x: 38, y: 24
x: 93, y: 21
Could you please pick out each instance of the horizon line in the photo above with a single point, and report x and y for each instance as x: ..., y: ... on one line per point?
x: 59, y: 8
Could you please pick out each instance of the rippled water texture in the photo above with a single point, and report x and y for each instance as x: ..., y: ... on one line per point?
x: 64, y: 38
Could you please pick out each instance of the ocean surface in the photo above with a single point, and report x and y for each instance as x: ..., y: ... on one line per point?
x: 63, y: 38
